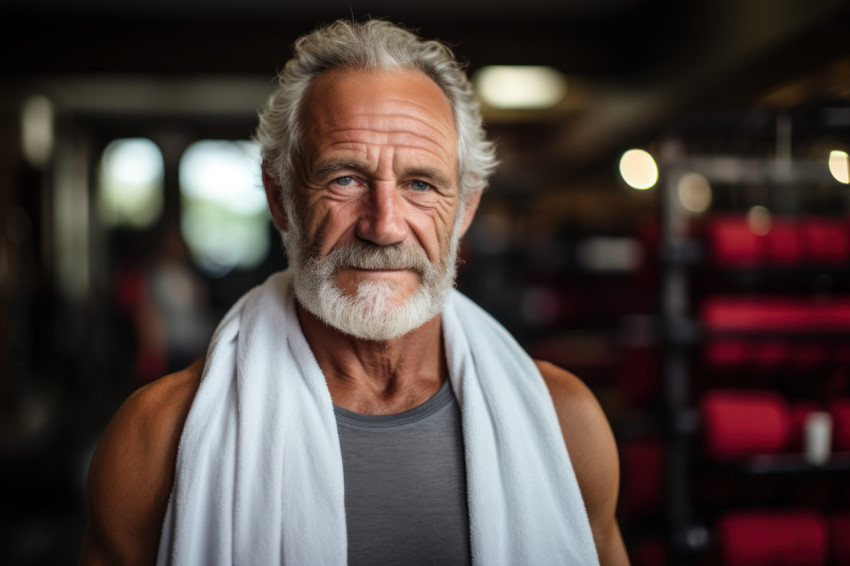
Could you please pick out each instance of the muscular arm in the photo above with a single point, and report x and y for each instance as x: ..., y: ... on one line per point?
x: 132, y: 472
x: 593, y: 453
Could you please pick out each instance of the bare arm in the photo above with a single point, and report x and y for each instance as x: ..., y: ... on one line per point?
x: 132, y: 472
x: 593, y: 453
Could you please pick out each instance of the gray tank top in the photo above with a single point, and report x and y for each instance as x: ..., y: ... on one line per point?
x: 405, y: 485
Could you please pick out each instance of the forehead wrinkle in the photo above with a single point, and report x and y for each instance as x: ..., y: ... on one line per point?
x: 373, y: 150
x: 389, y: 126
x: 431, y: 121
x: 346, y: 96
x: 411, y: 148
x: 388, y: 108
x: 353, y: 134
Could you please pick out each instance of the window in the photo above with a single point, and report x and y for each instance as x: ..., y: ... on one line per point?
x: 130, y: 184
x: 223, y: 219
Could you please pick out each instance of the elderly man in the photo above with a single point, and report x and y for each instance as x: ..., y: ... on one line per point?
x: 355, y: 409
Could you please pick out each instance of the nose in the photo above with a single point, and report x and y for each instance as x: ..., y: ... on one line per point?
x: 382, y: 220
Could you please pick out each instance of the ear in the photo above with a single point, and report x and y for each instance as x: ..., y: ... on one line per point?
x: 469, y: 213
x: 273, y: 196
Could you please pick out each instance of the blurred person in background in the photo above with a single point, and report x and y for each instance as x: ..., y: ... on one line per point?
x: 355, y: 408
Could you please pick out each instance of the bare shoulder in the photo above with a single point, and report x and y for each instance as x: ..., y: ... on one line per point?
x: 564, y: 386
x: 586, y: 431
x: 593, y: 454
x: 132, y: 471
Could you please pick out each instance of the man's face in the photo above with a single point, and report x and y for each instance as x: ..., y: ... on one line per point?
x: 376, y: 221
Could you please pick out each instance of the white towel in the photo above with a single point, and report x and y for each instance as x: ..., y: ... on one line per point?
x: 259, y: 469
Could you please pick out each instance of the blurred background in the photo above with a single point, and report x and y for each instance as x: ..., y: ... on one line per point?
x: 671, y: 221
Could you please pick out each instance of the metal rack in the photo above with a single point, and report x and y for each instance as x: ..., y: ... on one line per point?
x: 681, y: 332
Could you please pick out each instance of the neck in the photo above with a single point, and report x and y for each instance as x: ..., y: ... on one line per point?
x: 378, y: 377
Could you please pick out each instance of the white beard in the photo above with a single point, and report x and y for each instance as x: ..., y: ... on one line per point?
x: 374, y: 312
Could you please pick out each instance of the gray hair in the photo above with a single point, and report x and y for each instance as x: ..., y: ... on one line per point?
x: 371, y: 45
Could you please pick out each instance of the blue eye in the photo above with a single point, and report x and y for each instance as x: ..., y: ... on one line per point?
x: 344, y: 181
x: 420, y: 186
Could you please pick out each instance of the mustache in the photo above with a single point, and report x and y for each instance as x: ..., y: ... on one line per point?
x: 365, y: 255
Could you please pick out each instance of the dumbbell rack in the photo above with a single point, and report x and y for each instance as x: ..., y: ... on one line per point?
x: 681, y: 331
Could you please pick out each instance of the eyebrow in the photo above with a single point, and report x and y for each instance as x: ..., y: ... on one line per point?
x: 323, y: 168
x: 432, y: 174
x: 429, y: 173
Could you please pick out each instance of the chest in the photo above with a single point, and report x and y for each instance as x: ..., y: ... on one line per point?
x: 405, y: 485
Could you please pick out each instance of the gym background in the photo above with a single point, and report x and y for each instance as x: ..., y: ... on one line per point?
x: 670, y: 221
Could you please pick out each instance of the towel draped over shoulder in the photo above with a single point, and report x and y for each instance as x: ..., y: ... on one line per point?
x: 259, y: 475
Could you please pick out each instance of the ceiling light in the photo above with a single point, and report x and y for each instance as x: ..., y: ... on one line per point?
x: 839, y: 166
x: 638, y: 169
x: 694, y: 193
x: 520, y: 87
x: 37, y: 130
x: 759, y: 220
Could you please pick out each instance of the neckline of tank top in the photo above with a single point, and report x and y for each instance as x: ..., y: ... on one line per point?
x: 438, y: 401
